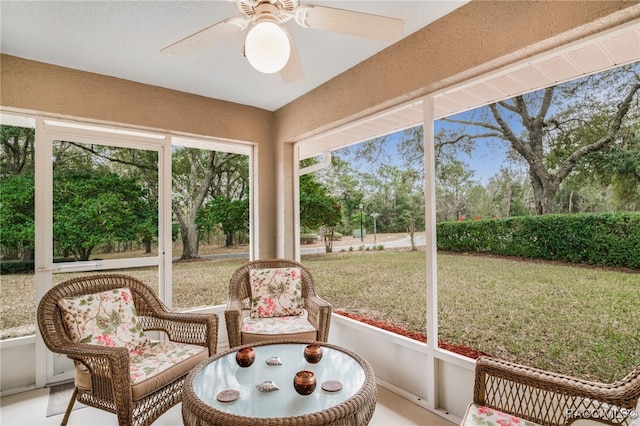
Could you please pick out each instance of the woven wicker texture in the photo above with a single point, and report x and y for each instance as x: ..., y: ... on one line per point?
x: 109, y: 366
x: 319, y: 311
x: 553, y: 399
x: 356, y: 411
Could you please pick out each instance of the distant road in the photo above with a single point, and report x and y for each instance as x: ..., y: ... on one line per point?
x: 402, y: 242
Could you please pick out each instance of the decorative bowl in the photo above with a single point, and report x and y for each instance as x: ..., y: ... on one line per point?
x: 304, y: 382
x: 245, y: 357
x: 313, y: 353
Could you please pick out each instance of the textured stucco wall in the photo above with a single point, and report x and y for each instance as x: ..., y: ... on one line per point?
x: 63, y: 91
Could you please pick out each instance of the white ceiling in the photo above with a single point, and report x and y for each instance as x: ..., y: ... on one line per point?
x: 124, y: 38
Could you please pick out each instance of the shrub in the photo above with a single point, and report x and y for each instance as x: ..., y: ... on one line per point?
x: 337, y: 236
x: 602, y: 239
x: 17, y: 267
x: 308, y: 238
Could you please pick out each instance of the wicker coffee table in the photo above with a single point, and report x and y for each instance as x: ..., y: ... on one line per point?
x: 210, y: 387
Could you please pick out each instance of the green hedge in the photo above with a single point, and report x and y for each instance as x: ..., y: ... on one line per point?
x: 17, y: 267
x: 602, y: 239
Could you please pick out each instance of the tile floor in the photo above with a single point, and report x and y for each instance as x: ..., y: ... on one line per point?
x: 29, y: 408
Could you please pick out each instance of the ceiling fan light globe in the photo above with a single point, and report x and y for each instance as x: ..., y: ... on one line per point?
x: 267, y: 47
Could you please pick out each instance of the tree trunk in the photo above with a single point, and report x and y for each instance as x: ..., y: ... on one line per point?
x: 28, y: 254
x: 328, y: 240
x: 190, y: 240
x: 84, y: 253
x: 412, y: 232
x: 506, y: 201
x: 229, y: 240
x: 571, y: 202
x: 544, y: 192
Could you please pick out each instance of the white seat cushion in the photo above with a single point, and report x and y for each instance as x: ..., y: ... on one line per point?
x: 262, y: 329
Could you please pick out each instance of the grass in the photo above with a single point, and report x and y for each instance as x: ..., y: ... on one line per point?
x: 572, y: 319
x: 576, y: 320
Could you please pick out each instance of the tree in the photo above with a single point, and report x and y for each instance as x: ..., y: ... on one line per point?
x: 230, y: 215
x: 93, y: 208
x: 478, y: 202
x: 318, y: 209
x: 17, y: 152
x: 614, y: 171
x: 453, y: 180
x: 409, y: 220
x: 197, y: 176
x: 541, y: 127
x: 507, y: 191
x: 17, y: 232
x: 341, y: 180
x: 140, y: 165
x: 17, y: 192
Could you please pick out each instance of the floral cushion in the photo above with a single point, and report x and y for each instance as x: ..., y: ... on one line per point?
x: 635, y: 415
x: 479, y: 415
x: 277, y: 325
x: 107, y: 319
x: 157, y: 357
x: 275, y: 292
x: 152, y: 367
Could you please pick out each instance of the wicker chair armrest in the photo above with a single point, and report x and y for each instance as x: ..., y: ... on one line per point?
x: 81, y: 350
x: 191, y: 328
x: 233, y: 318
x: 108, y: 367
x: 548, y: 398
x: 319, y: 314
x: 234, y: 303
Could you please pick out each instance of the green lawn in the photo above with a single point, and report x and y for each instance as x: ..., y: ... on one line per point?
x: 572, y: 319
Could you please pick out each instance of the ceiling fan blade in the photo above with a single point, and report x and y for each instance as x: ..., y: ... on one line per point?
x: 293, y: 71
x: 359, y: 24
x: 208, y: 35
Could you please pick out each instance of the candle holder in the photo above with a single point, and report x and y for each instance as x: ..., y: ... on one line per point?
x: 313, y: 353
x: 245, y: 357
x: 304, y: 382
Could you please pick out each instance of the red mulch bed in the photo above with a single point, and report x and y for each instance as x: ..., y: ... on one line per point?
x: 421, y: 337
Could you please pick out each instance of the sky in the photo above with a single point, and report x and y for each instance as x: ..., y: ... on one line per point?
x: 489, y: 156
x: 485, y: 160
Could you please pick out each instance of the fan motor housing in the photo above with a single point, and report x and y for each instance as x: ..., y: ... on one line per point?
x: 284, y: 9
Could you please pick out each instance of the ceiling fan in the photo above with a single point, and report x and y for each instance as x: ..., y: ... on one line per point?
x: 268, y: 45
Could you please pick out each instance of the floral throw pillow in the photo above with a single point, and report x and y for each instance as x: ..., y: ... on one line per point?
x: 107, y: 319
x: 275, y: 292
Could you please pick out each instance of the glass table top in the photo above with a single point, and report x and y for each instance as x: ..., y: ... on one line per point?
x: 223, y: 373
